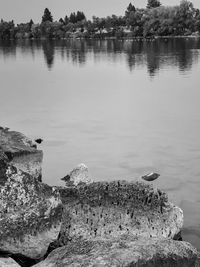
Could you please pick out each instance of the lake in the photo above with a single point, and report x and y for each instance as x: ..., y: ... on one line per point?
x: 124, y: 108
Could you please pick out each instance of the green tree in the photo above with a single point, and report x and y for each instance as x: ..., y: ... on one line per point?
x: 153, y: 3
x: 47, y: 16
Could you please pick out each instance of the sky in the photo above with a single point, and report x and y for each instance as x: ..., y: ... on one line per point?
x: 24, y: 10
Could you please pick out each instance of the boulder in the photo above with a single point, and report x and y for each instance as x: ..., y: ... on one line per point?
x: 102, y: 224
x: 21, y: 152
x: 30, y: 214
x: 79, y: 174
x: 151, y: 252
x: 108, y: 210
x: 8, y: 262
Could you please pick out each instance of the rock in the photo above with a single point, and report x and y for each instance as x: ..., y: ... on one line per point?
x: 21, y: 152
x: 151, y: 176
x: 141, y: 252
x: 111, y: 210
x: 78, y: 175
x: 8, y: 262
x: 3, y: 167
x: 30, y: 214
x: 103, y: 224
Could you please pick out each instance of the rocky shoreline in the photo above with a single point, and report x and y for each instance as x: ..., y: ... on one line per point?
x: 85, y: 223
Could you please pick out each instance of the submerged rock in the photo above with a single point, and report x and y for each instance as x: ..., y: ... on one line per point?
x: 117, y: 253
x: 21, y: 152
x: 30, y: 214
x: 79, y: 174
x: 111, y: 210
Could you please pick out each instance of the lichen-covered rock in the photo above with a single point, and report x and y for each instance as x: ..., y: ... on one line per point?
x: 79, y: 174
x: 30, y: 214
x: 8, y: 262
x: 108, y: 210
x: 117, y: 253
x: 21, y: 152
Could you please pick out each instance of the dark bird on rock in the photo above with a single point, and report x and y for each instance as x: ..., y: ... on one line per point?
x: 66, y: 178
x: 151, y: 176
x: 39, y: 140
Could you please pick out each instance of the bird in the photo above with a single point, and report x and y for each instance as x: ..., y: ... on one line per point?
x: 39, y: 140
x: 151, y: 176
x: 66, y: 178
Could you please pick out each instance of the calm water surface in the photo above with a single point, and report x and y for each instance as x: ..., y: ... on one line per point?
x: 123, y: 108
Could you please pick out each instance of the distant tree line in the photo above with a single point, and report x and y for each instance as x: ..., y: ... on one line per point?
x: 154, y: 20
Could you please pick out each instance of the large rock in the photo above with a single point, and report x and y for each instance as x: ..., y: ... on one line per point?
x: 8, y: 262
x: 117, y: 253
x: 21, y: 152
x: 30, y: 214
x: 108, y: 210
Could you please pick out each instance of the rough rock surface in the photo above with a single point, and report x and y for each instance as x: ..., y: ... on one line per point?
x: 8, y: 262
x: 117, y: 253
x: 21, y: 152
x: 103, y: 224
x: 30, y: 214
x: 79, y: 174
x: 111, y: 210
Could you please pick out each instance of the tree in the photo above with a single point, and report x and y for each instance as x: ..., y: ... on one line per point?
x: 129, y: 9
x: 80, y: 16
x: 66, y: 19
x: 72, y: 18
x: 47, y: 16
x: 185, y: 17
x: 30, y: 24
x: 75, y: 17
x: 153, y: 3
x: 61, y: 21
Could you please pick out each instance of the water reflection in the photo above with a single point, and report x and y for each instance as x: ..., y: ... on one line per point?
x: 154, y: 55
x: 49, y: 52
x: 8, y: 49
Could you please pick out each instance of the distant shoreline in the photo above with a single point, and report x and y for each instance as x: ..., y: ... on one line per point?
x: 154, y: 21
x: 152, y: 38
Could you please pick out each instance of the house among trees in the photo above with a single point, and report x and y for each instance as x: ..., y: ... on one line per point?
x: 154, y: 20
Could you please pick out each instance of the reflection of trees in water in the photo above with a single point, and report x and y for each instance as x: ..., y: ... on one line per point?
x: 49, y: 51
x: 163, y: 53
x: 78, y: 52
x: 187, y: 56
x: 8, y: 48
x: 154, y: 55
x: 72, y: 50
